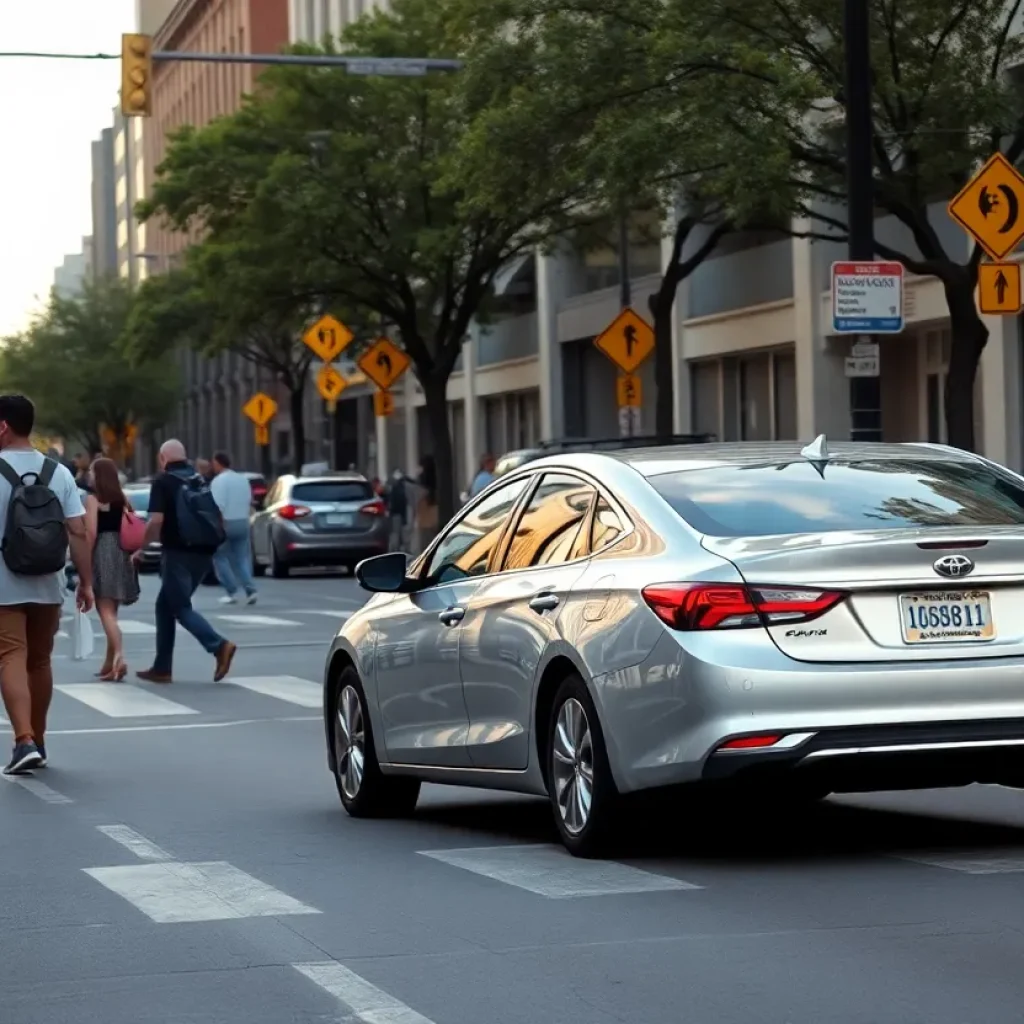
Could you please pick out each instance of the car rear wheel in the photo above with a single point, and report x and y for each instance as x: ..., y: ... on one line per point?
x: 583, y: 796
x: 365, y: 791
x: 278, y: 569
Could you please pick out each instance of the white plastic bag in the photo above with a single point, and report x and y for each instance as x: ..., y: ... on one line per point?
x: 81, y: 636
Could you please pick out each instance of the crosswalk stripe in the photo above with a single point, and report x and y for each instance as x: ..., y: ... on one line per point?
x: 303, y: 692
x: 1008, y: 861
x: 170, y: 892
x: 134, y: 627
x: 329, y: 612
x: 366, y: 1003
x: 257, y: 620
x: 118, y: 700
x: 552, y: 872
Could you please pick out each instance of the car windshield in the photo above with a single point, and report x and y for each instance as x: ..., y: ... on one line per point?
x: 138, y: 499
x: 889, y: 494
x: 332, y: 490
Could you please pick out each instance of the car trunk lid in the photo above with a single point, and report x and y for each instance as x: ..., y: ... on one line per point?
x: 934, y: 593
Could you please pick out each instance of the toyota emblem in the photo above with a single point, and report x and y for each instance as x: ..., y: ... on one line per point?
x: 954, y: 566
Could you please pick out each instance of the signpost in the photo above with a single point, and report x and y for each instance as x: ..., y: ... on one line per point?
x: 627, y: 341
x: 383, y: 403
x: 867, y: 298
x: 261, y: 409
x: 999, y: 288
x: 328, y: 338
x: 384, y: 363
x: 629, y: 391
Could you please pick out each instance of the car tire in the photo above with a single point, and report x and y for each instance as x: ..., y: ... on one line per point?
x: 584, y: 799
x: 278, y: 569
x: 258, y: 569
x: 365, y: 791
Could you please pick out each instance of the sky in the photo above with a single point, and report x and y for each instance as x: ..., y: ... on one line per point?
x: 51, y: 112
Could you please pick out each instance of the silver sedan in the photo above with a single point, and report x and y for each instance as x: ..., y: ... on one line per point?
x: 595, y: 625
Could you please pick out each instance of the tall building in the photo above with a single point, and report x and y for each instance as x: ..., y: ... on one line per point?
x: 189, y: 93
x: 311, y: 20
x: 129, y: 188
x: 71, y: 276
x: 104, y: 206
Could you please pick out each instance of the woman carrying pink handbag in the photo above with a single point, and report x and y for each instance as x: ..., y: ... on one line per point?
x: 115, y: 532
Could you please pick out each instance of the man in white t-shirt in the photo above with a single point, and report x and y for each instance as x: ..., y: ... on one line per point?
x: 30, y: 605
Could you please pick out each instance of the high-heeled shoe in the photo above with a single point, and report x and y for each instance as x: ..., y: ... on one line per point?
x: 117, y: 672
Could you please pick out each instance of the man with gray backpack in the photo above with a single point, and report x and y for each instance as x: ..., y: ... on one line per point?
x: 41, y: 514
x: 186, y: 520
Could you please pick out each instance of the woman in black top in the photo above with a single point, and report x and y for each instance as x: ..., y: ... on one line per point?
x: 115, y: 578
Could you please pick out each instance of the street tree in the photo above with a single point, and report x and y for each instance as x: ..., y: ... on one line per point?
x: 946, y: 94
x: 355, y: 172
x: 236, y: 291
x: 608, y: 96
x: 70, y: 363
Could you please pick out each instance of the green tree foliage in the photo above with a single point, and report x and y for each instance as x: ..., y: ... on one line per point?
x: 607, y: 98
x: 355, y: 175
x: 945, y: 97
x: 70, y: 362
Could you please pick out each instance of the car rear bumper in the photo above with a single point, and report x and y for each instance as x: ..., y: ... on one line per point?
x: 853, y: 727
x: 331, y: 548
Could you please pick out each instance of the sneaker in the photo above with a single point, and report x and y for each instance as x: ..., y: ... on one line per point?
x: 26, y: 757
x: 42, y: 755
x: 251, y: 598
x: 228, y: 599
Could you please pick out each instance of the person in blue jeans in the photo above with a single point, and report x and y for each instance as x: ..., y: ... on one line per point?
x: 182, y: 569
x: 233, y: 560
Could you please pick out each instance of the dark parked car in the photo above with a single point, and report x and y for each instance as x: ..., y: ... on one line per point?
x: 324, y: 520
x: 258, y: 484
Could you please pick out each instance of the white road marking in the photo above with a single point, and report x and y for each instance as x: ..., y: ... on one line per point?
x: 366, y: 1003
x: 330, y: 613
x: 972, y: 862
x: 257, y: 620
x: 134, y: 842
x: 552, y: 872
x: 135, y: 627
x: 123, y: 700
x: 37, y: 788
x: 292, y: 689
x: 172, y: 893
x: 103, y: 731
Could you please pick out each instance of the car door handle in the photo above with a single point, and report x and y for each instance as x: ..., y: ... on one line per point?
x: 452, y: 616
x: 544, y: 603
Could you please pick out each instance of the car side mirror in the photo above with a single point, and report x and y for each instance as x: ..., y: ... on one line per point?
x: 386, y: 574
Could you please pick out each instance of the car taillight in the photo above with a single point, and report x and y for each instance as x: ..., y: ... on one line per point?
x: 699, y: 606
x: 293, y: 511
x: 373, y: 508
x: 752, y: 742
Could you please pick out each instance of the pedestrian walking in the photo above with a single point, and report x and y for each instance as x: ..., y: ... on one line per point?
x: 396, y: 500
x: 184, y: 517
x: 427, y: 523
x: 484, y: 477
x: 115, y: 577
x: 41, y: 513
x: 233, y: 560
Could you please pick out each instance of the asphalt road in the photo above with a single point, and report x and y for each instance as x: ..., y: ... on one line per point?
x: 186, y: 859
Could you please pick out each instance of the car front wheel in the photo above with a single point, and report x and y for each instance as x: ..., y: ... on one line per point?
x: 583, y: 794
x: 365, y: 791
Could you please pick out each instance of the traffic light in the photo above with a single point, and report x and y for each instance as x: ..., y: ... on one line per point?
x: 136, y: 75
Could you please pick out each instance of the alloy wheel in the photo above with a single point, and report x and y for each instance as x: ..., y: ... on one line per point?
x: 350, y: 735
x: 573, y: 766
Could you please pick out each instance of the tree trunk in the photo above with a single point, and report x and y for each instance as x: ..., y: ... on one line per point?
x: 661, y: 304
x: 435, y: 393
x: 969, y: 337
x: 297, y: 406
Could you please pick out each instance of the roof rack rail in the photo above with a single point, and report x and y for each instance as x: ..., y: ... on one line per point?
x: 568, y: 444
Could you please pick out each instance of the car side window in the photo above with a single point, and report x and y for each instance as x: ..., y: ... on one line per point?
x: 607, y: 526
x: 466, y: 549
x: 547, y: 530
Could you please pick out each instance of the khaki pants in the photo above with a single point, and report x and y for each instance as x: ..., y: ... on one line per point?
x: 27, y: 632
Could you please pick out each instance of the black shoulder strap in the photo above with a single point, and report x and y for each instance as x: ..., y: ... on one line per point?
x: 8, y: 472
x: 49, y: 468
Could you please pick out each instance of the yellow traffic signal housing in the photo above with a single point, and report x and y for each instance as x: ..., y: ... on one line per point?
x: 136, y: 75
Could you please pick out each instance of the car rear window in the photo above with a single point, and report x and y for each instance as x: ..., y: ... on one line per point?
x: 333, y: 490
x: 139, y: 500
x: 789, y: 498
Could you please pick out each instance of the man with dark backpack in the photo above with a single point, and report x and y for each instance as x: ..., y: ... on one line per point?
x: 41, y: 514
x: 184, y: 517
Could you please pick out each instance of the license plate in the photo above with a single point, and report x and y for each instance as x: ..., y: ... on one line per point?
x: 338, y: 519
x: 948, y: 616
